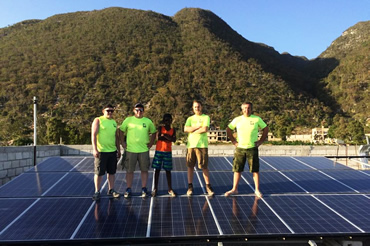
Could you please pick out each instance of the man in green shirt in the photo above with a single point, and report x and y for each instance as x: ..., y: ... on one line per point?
x: 140, y: 136
x: 105, y: 150
x: 246, y: 143
x: 197, y: 146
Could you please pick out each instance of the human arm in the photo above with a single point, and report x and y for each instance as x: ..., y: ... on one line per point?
x: 202, y: 129
x: 153, y: 136
x: 94, y: 134
x: 191, y: 129
x: 263, y: 137
x: 230, y: 135
x: 121, y: 139
x: 201, y: 123
x: 167, y: 137
x: 118, y: 145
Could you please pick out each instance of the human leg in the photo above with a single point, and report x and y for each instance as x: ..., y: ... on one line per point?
x: 111, y: 179
x: 236, y: 179
x: 144, y: 163
x: 256, y: 180
x: 190, y: 163
x: 254, y: 166
x: 169, y: 180
x: 97, y: 182
x: 99, y: 171
x: 129, y: 179
x: 111, y: 165
x: 156, y: 178
x: 238, y: 168
x: 144, y: 178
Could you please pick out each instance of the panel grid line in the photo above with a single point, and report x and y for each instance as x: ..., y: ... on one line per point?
x: 337, y: 213
x: 210, y: 206
x: 327, y: 175
x: 277, y: 215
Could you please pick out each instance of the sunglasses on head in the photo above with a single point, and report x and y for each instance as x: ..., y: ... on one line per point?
x: 139, y: 110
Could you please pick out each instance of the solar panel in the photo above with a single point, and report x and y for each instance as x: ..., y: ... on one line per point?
x: 321, y: 163
x: 307, y: 215
x: 246, y: 215
x: 110, y: 218
x: 48, y: 218
x: 302, y: 197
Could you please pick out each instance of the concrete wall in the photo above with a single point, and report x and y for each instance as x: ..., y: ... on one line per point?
x: 16, y: 160
x: 228, y: 150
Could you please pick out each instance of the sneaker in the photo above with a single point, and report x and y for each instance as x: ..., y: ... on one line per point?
x: 96, y: 196
x: 172, y: 193
x: 144, y: 192
x: 190, y: 190
x: 154, y: 193
x: 127, y: 193
x: 209, y: 190
x: 113, y: 193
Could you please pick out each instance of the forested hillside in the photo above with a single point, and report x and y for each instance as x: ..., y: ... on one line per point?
x: 75, y: 63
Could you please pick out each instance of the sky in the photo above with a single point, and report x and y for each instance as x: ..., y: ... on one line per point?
x: 299, y: 27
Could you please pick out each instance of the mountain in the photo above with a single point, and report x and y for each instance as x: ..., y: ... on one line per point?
x: 349, y: 81
x: 75, y: 63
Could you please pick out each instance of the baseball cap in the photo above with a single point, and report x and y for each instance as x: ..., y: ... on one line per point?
x: 139, y: 105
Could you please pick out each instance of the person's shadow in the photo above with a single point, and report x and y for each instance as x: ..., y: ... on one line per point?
x: 242, y: 224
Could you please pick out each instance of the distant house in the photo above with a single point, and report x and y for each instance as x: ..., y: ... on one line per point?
x: 320, y: 135
x: 271, y: 137
x: 217, y: 135
x: 299, y: 137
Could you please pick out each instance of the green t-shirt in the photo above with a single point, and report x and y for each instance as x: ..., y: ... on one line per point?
x: 247, y: 130
x: 196, y: 140
x: 106, y: 137
x: 137, y: 132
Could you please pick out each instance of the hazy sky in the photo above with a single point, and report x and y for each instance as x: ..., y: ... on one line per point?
x: 300, y: 27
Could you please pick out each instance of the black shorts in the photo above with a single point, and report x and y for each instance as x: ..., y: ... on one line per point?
x: 106, y: 163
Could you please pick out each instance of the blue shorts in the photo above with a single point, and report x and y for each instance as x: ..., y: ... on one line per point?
x: 162, y: 159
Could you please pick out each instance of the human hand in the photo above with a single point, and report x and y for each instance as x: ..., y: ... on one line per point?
x: 96, y: 153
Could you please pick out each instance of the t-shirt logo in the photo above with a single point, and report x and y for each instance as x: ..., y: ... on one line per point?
x: 144, y: 125
x: 251, y: 123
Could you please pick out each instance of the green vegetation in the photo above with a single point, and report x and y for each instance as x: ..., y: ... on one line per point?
x: 76, y: 63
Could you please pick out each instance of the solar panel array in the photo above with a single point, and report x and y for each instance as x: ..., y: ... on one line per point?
x: 303, y: 196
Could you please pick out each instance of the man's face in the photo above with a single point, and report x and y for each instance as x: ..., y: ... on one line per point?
x: 247, y: 109
x: 108, y: 112
x: 139, y: 112
x: 197, y: 108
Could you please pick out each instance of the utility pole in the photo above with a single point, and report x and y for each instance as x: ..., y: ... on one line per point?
x: 34, y: 129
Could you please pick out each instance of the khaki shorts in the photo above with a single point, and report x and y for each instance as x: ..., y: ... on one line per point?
x: 106, y: 163
x: 132, y: 158
x: 197, y: 154
x: 243, y: 155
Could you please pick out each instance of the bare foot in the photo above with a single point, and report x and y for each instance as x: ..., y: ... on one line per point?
x: 258, y: 194
x: 231, y: 192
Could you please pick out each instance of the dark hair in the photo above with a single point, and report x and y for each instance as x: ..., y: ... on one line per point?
x: 247, y: 103
x: 108, y: 106
x: 198, y: 101
x: 167, y: 116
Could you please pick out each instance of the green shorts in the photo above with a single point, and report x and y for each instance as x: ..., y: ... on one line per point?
x: 132, y: 158
x: 197, y: 154
x: 243, y: 155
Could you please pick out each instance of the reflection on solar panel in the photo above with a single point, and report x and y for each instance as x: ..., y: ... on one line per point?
x: 304, y: 197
